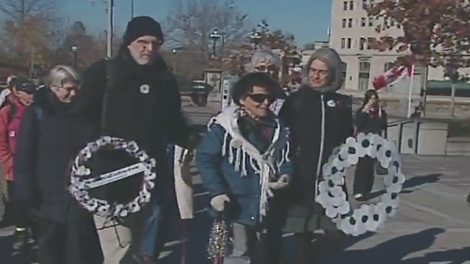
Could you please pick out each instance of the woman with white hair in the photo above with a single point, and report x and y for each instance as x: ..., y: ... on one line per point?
x: 320, y: 119
x: 270, y: 63
x: 43, y: 153
x: 264, y: 61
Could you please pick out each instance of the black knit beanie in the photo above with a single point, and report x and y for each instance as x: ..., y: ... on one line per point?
x: 142, y: 26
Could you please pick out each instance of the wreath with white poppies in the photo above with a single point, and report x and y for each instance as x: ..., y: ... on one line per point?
x: 331, y: 195
x: 81, y: 182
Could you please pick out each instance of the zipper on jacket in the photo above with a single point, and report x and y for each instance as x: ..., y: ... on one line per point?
x: 322, y: 143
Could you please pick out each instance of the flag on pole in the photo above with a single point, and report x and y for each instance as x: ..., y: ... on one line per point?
x: 392, y: 76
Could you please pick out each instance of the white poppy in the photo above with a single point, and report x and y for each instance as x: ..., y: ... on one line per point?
x: 85, y: 154
x: 107, y: 139
x: 141, y: 155
x: 340, y: 163
x: 385, y: 210
x: 363, y: 144
x: 344, y: 208
x: 101, y: 142
x: 150, y: 176
x: 331, y: 212
x: 327, y: 198
x: 93, y: 146
x: 134, y: 207
x: 82, y: 171
x: 375, y: 218
x: 394, y: 183
x: 390, y: 199
x: 337, y: 191
x: 329, y: 169
x: 351, y: 225
x: 323, y: 197
x: 132, y: 147
x: 349, y: 152
x: 375, y: 140
x: 384, y: 155
x: 339, y: 178
x: 333, y: 155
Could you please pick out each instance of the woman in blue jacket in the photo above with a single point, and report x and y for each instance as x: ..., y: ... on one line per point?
x: 243, y: 160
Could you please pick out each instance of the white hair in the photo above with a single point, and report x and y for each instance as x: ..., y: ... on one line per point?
x: 263, y: 55
x: 61, y: 74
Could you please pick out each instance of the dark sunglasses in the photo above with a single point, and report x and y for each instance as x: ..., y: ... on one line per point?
x: 260, y: 98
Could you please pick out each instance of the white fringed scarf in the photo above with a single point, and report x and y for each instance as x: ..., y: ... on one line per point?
x: 241, y: 153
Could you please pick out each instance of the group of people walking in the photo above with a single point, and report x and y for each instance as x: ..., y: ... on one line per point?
x: 260, y: 165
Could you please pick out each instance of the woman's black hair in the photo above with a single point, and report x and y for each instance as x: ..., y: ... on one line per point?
x: 368, y: 95
x: 246, y: 83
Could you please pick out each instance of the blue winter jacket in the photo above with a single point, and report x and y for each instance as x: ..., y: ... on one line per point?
x: 219, y: 176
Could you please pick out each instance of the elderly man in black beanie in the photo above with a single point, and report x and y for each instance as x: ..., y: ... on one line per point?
x: 134, y: 96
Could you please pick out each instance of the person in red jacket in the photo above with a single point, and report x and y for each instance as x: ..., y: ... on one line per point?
x: 10, y: 117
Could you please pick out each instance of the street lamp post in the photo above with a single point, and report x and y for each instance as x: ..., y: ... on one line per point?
x: 256, y: 39
x: 109, y: 42
x: 74, y: 49
x: 174, y: 61
x: 132, y: 9
x: 451, y: 71
x: 110, y: 26
x: 214, y: 36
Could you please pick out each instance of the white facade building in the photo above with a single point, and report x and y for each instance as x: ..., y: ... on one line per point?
x: 350, y: 29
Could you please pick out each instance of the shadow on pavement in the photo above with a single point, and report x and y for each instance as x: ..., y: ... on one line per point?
x: 410, y: 184
x: 392, y: 251
x: 421, y: 180
x: 456, y: 256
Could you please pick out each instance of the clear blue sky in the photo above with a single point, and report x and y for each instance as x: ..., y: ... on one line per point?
x: 308, y: 20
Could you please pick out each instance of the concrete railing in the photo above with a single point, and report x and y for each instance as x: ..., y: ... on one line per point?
x: 418, y: 136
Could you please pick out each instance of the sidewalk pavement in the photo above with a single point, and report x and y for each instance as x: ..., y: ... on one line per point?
x: 432, y: 224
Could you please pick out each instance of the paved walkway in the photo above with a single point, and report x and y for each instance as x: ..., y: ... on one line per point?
x: 432, y: 224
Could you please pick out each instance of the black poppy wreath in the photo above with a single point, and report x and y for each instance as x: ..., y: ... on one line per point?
x: 331, y: 195
x: 82, y: 181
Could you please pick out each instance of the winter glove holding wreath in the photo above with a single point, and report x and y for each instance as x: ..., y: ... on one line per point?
x: 218, y: 202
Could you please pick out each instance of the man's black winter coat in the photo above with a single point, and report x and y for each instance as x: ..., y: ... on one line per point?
x: 134, y: 102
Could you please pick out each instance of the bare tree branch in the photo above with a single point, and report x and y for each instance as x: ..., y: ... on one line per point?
x: 191, y: 21
x: 30, y: 25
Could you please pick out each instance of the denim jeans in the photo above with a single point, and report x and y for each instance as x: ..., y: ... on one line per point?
x: 152, y: 238
x: 157, y: 224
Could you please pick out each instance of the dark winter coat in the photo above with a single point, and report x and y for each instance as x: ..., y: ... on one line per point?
x: 142, y: 104
x: 45, y: 145
x: 370, y: 123
x: 43, y: 152
x: 319, y: 120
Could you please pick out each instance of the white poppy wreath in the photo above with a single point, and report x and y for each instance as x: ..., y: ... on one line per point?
x: 331, y: 195
x: 80, y: 185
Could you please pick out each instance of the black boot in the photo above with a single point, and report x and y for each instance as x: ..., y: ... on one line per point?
x: 21, y: 240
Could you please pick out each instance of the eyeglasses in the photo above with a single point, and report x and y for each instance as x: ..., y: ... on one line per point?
x: 319, y: 72
x: 261, y: 98
x: 69, y: 88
